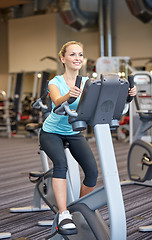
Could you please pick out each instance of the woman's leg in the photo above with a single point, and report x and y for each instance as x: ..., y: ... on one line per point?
x: 52, y: 144
x: 82, y: 153
x: 85, y: 190
x: 60, y: 191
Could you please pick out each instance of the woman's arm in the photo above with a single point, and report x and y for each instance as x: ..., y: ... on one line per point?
x: 56, y: 96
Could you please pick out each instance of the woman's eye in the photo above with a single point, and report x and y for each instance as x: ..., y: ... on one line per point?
x: 73, y: 54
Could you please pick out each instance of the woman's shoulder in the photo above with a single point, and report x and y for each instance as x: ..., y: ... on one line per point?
x: 56, y: 80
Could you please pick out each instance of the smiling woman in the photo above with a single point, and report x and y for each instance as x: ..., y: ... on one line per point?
x: 72, y: 49
x: 56, y: 130
x: 71, y: 55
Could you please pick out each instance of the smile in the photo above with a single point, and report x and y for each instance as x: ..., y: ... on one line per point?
x: 76, y: 63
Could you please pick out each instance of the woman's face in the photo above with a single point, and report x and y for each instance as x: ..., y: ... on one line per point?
x: 73, y: 58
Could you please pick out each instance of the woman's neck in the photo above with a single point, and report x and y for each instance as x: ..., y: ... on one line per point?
x: 70, y: 78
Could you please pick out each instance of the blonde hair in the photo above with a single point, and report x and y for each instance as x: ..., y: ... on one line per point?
x: 64, y: 47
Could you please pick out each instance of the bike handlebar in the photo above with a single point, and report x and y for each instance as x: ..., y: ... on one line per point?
x: 39, y: 104
x: 131, y: 85
x: 77, y: 84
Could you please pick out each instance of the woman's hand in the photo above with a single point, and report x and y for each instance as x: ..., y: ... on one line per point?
x: 56, y: 96
x: 75, y: 92
x: 133, y: 91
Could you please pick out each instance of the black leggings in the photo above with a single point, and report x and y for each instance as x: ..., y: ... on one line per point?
x: 53, y: 146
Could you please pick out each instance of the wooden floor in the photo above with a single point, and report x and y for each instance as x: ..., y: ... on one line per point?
x: 18, y: 156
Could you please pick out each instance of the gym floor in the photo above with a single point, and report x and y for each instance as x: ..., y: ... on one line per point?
x: 18, y: 156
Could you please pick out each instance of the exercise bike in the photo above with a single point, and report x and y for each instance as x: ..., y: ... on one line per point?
x: 140, y: 153
x: 35, y: 127
x: 101, y: 106
x: 43, y: 180
x: 111, y: 111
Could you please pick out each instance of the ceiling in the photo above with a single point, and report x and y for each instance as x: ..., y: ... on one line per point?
x: 11, y: 3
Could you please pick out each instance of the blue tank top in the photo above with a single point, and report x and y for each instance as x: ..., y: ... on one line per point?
x: 59, y: 124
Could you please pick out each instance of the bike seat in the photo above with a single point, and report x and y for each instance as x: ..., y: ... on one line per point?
x: 66, y: 144
x: 36, y: 174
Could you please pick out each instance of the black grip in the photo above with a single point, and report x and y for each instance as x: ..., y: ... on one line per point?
x: 54, y: 109
x: 78, y: 81
x: 131, y: 81
x: 77, y: 84
x: 131, y: 85
x: 45, y: 92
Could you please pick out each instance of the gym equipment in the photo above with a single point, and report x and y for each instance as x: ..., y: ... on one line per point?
x: 37, y: 200
x: 33, y: 84
x: 111, y: 88
x: 101, y: 106
x: 43, y: 179
x: 5, y: 122
x: 140, y: 163
x: 143, y: 83
x: 140, y: 154
x: 115, y: 64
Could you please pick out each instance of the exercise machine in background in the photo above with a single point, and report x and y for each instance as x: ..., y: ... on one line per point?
x: 5, y: 114
x: 140, y: 153
x: 23, y: 89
